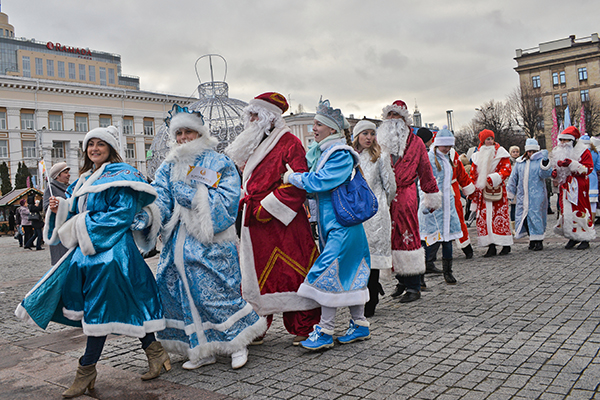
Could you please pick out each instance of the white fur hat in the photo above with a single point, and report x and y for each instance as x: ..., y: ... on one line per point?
x: 184, y: 119
x: 444, y: 138
x: 532, y: 144
x: 362, y: 126
x: 110, y: 135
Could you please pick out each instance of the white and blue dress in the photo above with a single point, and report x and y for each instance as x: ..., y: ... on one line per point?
x: 102, y: 283
x: 340, y: 274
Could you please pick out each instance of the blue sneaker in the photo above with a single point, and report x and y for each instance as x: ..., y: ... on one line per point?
x: 318, y: 339
x: 355, y: 333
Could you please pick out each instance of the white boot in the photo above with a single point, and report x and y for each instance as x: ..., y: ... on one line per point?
x: 239, y: 358
x: 193, y: 364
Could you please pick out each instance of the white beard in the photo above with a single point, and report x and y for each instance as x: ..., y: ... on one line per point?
x: 392, y: 135
x: 484, y: 164
x: 559, y: 153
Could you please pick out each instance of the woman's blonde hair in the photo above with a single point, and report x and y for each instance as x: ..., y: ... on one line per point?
x: 374, y: 150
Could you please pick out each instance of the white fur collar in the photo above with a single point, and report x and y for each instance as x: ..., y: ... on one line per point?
x: 262, y: 151
x: 187, y: 153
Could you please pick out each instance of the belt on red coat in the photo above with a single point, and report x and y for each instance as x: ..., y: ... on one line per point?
x: 250, y: 200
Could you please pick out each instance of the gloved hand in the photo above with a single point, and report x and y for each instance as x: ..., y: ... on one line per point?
x: 183, y: 194
x: 564, y: 163
x: 554, y: 173
x: 286, y: 175
x: 546, y: 162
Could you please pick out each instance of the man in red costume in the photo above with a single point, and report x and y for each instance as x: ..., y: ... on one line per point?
x: 409, y: 161
x: 276, y: 248
x: 490, y: 171
x: 573, y: 164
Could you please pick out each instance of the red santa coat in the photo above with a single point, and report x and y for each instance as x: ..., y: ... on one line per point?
x: 408, y: 257
x: 461, y: 182
x: 493, y: 218
x: 576, y: 220
x: 276, y: 248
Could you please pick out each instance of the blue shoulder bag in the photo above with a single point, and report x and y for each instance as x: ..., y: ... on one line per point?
x: 354, y: 202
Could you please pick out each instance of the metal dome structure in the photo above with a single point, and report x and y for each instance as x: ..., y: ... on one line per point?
x: 222, y: 114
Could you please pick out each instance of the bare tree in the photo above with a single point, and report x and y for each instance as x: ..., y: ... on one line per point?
x: 592, y: 116
x: 526, y: 110
x: 499, y: 118
x: 465, y: 138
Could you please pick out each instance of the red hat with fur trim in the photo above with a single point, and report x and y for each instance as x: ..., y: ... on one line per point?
x: 484, y: 134
x: 399, y: 107
x: 571, y: 133
x: 272, y: 101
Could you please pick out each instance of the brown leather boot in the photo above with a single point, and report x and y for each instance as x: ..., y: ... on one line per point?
x: 157, y: 358
x: 84, y: 379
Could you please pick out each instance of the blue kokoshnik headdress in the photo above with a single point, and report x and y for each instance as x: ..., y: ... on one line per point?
x: 183, y: 117
x: 332, y: 117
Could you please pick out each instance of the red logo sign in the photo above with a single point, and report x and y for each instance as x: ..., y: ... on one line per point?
x: 67, y: 49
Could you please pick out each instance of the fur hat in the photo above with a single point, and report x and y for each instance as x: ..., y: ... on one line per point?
x: 585, y: 139
x: 362, y: 126
x: 532, y: 144
x: 272, y: 101
x: 57, y: 168
x: 110, y: 135
x: 571, y: 133
x: 484, y: 134
x: 444, y: 138
x: 399, y: 107
x: 181, y: 117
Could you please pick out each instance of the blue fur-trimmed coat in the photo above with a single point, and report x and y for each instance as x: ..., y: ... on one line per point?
x: 102, y: 283
x: 443, y: 224
x: 199, y: 272
x: 527, y: 184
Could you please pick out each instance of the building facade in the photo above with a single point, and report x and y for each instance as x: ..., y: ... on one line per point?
x: 51, y: 95
x: 560, y: 73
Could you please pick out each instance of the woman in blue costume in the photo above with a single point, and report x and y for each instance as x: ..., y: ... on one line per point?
x: 199, y: 273
x: 102, y: 283
x: 339, y: 276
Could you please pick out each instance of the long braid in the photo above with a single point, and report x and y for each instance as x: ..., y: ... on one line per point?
x: 348, y: 136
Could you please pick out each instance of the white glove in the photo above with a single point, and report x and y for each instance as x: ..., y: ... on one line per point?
x: 286, y: 175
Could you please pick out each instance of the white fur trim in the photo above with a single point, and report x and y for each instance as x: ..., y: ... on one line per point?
x: 409, y: 262
x: 68, y: 232
x: 23, y: 315
x: 469, y: 189
x: 362, y: 323
x: 109, y: 135
x: 492, y: 238
x: 443, y: 141
x: 59, y: 219
x: 536, y: 237
x: 327, y: 331
x: 432, y: 201
x: 582, y: 231
x: 510, y: 195
x: 265, y: 104
x: 329, y: 299
x: 147, y: 242
x: 400, y: 110
x: 277, y: 209
x: 198, y: 220
x: 72, y: 315
x: 187, y: 120
x: 577, y: 168
x: 119, y: 328
x: 261, y: 152
x: 381, y: 262
x: 496, y: 179
x: 335, y: 147
x: 83, y: 237
x: 565, y: 136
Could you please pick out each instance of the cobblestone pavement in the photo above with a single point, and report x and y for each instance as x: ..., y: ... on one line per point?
x: 520, y: 326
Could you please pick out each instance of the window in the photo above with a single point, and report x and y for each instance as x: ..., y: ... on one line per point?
x: 555, y: 78
x: 61, y: 69
x: 50, y: 67
x: 127, y: 126
x: 2, y: 119
x: 148, y: 126
x: 58, y: 149
x: 585, y: 95
x: 148, y: 151
x: 81, y: 123
x: 55, y: 122
x: 92, y: 73
x: 81, y: 72
x: 309, y: 128
x: 557, y: 99
x: 564, y: 99
x: 105, y: 121
x: 536, y: 82
x: 111, y: 76
x: 39, y: 66
x: 27, y: 120
x: 3, y: 148
x: 130, y: 151
x: 563, y: 77
x: 29, y: 149
x: 103, y: 76
x: 537, y: 101
x: 582, y: 72
x: 72, y: 71
x: 26, y: 67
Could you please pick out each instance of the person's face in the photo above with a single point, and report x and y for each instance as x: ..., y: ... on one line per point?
x: 98, y: 151
x: 253, y: 117
x: 530, y: 153
x: 515, y: 153
x: 64, y: 177
x: 444, y: 149
x: 366, y: 139
x: 395, y: 115
x: 321, y: 131
x: 565, y: 141
x: 489, y: 141
x: 184, y: 135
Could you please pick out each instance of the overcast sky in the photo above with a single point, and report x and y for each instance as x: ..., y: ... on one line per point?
x: 360, y: 54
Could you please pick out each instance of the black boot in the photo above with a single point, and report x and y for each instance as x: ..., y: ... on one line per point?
x: 423, y: 284
x: 491, y: 251
x: 430, y: 268
x: 505, y: 250
x: 468, y: 251
x: 448, y: 277
x: 583, y: 245
x: 571, y: 244
x: 400, y: 287
x: 532, y: 244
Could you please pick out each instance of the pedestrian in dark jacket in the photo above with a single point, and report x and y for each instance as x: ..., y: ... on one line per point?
x: 59, y: 182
